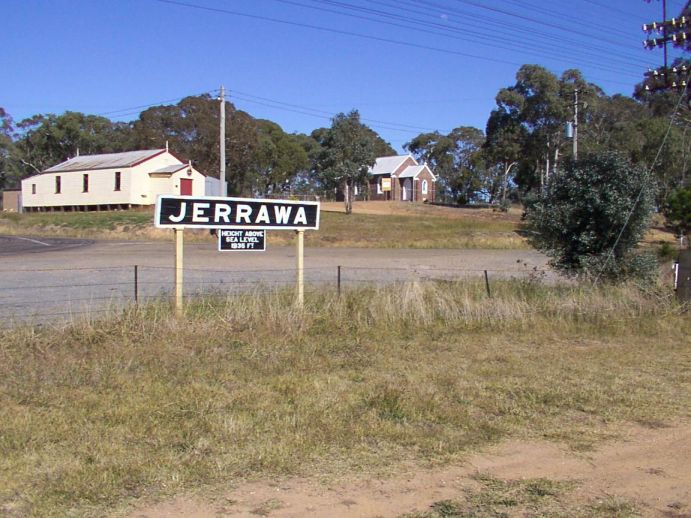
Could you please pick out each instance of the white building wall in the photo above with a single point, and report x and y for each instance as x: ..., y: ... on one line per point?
x: 101, y: 188
x: 197, y: 182
x: 136, y: 186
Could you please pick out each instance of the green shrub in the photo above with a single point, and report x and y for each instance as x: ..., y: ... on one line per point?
x: 591, y: 216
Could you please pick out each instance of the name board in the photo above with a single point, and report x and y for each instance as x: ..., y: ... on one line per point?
x: 235, y: 213
x: 237, y: 240
x: 386, y: 184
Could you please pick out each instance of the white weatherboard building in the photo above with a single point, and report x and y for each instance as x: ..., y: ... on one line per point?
x: 111, y: 181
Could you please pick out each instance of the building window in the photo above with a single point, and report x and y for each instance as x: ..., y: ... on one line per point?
x: 117, y: 180
x: 33, y: 188
x: 57, y: 185
x: 379, y: 189
x: 85, y: 183
x: 424, y: 187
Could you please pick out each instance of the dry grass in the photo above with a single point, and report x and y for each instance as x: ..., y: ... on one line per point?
x: 416, y: 227
x: 372, y: 225
x: 95, y: 414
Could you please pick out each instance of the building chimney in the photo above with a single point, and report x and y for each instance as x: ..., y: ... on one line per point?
x: 166, y: 146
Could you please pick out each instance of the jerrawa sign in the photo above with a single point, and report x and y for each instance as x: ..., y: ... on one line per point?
x: 239, y: 213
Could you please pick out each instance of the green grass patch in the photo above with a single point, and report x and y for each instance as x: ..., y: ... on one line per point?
x: 95, y: 414
x: 496, y: 498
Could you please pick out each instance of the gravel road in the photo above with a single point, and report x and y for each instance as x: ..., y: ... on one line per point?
x: 57, y: 279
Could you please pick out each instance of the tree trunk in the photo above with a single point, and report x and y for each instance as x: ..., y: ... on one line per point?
x: 348, y: 197
x: 505, y: 184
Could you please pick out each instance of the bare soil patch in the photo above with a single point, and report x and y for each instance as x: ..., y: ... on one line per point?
x: 650, y: 468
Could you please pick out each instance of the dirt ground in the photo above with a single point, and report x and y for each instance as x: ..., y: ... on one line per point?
x: 648, y: 467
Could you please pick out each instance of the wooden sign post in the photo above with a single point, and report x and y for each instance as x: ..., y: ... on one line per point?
x: 179, y: 235
x: 180, y: 212
x: 301, y: 268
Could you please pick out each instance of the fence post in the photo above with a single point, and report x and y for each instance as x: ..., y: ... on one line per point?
x: 489, y: 293
x: 338, y: 280
x: 136, y: 284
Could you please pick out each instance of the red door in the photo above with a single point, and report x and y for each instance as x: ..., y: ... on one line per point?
x: 186, y: 186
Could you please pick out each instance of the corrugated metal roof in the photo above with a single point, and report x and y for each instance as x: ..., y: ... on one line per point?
x: 411, y: 171
x: 170, y: 168
x: 105, y: 161
x: 388, y: 164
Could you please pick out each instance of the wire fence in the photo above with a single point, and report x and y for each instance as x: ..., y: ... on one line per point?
x: 48, y: 294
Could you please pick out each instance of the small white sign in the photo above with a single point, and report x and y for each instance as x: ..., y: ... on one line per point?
x: 240, y: 240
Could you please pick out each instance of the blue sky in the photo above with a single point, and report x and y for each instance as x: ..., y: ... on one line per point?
x: 408, y: 66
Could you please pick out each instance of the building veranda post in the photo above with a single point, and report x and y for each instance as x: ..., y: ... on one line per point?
x: 111, y: 181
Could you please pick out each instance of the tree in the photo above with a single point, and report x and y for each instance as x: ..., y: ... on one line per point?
x: 7, y: 172
x: 45, y: 140
x: 502, y: 147
x: 456, y: 160
x: 677, y: 211
x: 280, y: 157
x: 591, y: 216
x: 348, y: 151
x: 191, y: 129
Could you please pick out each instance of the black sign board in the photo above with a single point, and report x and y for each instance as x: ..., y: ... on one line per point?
x: 235, y: 213
x: 240, y: 240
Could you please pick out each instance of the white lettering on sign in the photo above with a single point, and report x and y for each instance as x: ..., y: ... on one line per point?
x: 181, y: 216
x: 249, y: 240
x: 212, y: 212
x: 300, y: 217
x: 222, y: 213
x: 282, y: 213
x: 243, y: 212
x: 263, y: 216
x: 198, y: 212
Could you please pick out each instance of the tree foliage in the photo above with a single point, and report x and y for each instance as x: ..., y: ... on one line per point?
x: 280, y: 157
x: 456, y: 160
x: 677, y: 211
x: 347, y: 153
x: 592, y: 214
x: 191, y: 129
x: 45, y: 140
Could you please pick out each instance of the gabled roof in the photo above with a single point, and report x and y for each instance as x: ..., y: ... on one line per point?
x: 388, y: 164
x: 413, y: 170
x: 105, y: 161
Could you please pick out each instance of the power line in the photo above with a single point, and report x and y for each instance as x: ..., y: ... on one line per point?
x: 390, y: 126
x: 456, y: 30
x: 474, y: 18
x: 355, y: 34
x: 540, y: 22
x: 650, y: 171
x: 338, y: 31
x: 157, y: 103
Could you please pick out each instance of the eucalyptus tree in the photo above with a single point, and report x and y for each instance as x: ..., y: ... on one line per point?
x: 7, y: 170
x: 280, y: 157
x: 455, y: 158
x: 503, y: 147
x: 45, y: 140
x: 347, y: 153
x: 191, y: 129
